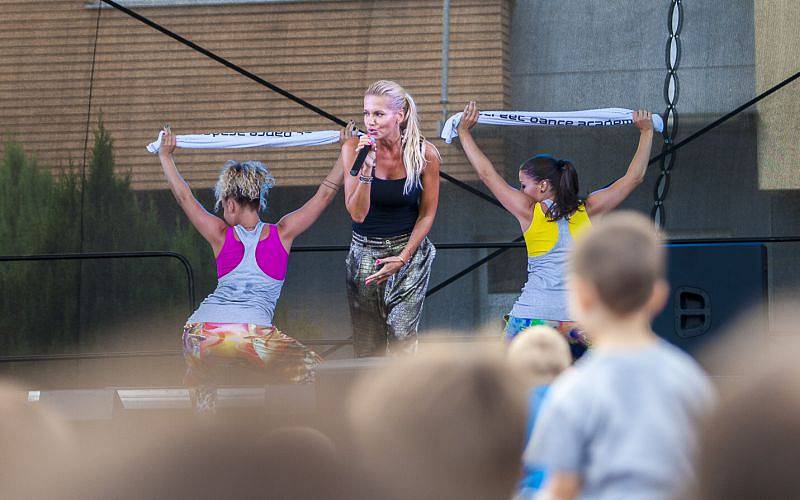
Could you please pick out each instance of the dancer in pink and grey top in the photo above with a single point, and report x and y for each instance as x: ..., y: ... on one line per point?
x: 234, y: 323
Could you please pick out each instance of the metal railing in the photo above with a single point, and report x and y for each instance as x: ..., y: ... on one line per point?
x: 187, y: 266
x: 190, y: 282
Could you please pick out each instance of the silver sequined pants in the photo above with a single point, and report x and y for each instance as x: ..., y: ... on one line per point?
x: 385, y: 317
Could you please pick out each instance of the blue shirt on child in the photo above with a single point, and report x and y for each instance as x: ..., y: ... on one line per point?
x: 625, y: 421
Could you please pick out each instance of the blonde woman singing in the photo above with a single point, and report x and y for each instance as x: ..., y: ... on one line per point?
x: 392, y: 202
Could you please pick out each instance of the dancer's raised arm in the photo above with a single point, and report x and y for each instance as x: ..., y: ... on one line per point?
x: 295, y: 223
x: 519, y: 204
x: 605, y: 200
x: 211, y: 227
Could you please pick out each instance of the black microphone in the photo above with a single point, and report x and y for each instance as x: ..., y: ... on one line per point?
x: 362, y: 156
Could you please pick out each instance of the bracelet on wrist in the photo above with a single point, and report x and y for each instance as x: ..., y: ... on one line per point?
x: 330, y: 185
x: 364, y: 179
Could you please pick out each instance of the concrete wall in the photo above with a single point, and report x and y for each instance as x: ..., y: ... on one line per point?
x: 582, y: 54
x: 777, y: 44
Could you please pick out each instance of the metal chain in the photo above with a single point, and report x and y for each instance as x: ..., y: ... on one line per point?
x: 671, y: 92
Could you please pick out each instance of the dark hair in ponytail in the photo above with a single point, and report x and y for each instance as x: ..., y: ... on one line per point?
x: 562, y: 177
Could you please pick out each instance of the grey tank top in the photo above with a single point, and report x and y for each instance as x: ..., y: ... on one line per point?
x: 244, y: 295
x: 544, y: 295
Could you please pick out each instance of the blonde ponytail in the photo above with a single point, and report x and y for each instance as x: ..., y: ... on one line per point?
x: 413, y: 145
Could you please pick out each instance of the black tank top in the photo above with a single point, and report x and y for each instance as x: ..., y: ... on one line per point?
x: 391, y: 213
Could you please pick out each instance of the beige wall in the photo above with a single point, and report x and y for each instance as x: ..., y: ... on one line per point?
x: 325, y: 52
x: 777, y: 48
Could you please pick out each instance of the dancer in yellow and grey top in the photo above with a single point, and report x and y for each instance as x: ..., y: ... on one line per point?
x: 551, y: 215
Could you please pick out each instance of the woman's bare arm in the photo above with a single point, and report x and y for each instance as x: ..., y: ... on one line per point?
x: 605, y: 200
x: 211, y: 227
x: 513, y: 200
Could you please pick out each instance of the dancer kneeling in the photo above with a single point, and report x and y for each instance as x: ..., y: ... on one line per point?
x: 234, y: 323
x: 551, y: 214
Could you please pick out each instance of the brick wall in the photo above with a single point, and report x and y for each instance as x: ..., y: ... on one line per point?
x: 325, y: 52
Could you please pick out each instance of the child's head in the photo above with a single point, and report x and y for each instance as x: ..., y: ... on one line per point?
x: 617, y: 272
x: 242, y: 186
x: 540, y: 354
x: 442, y: 425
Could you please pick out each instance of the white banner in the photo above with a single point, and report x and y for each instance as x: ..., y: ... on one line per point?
x: 604, y: 117
x: 225, y: 140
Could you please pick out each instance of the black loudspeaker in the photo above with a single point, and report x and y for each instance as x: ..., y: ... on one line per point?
x: 710, y: 286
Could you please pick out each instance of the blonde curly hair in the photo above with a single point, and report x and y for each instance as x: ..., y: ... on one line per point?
x: 245, y: 182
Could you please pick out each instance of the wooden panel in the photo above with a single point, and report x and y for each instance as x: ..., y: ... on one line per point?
x: 325, y: 52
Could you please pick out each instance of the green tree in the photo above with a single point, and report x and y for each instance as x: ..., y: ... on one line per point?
x: 37, y: 216
x: 65, y: 306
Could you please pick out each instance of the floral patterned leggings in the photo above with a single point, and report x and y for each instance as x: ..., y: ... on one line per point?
x: 207, y: 347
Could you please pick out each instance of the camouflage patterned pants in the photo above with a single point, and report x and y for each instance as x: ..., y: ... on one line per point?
x: 385, y: 317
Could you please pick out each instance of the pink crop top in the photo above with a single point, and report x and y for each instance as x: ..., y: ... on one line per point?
x: 271, y: 257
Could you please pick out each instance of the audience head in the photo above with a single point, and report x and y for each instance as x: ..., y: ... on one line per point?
x: 36, y: 445
x: 238, y: 459
x: 441, y: 425
x: 617, y: 272
x: 748, y: 446
x: 540, y: 354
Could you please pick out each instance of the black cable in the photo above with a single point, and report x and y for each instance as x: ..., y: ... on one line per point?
x: 463, y: 185
x: 225, y: 62
x: 725, y: 118
x: 79, y: 284
x: 469, y: 269
x: 88, y: 124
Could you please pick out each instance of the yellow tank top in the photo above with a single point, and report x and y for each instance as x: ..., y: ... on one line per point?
x: 542, y: 235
